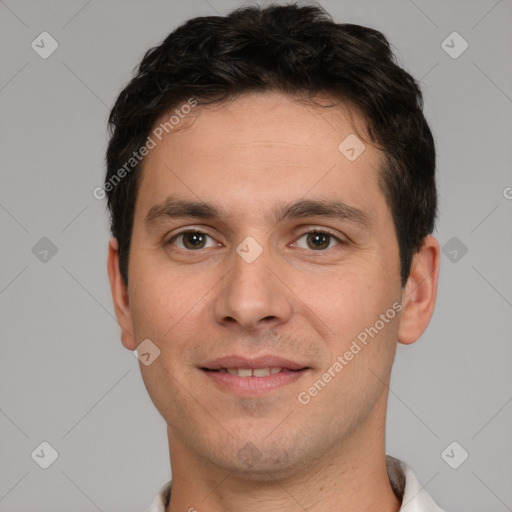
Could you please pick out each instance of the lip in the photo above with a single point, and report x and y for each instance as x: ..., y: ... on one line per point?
x: 253, y: 386
x: 257, y: 362
x: 291, y: 371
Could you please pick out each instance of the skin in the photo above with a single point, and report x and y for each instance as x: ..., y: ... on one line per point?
x: 301, y: 303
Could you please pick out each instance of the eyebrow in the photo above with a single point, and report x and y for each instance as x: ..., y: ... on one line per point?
x: 172, y: 208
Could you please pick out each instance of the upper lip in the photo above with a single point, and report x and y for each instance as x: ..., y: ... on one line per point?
x: 256, y: 362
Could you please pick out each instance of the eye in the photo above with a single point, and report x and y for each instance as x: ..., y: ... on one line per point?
x: 317, y: 241
x: 192, y: 240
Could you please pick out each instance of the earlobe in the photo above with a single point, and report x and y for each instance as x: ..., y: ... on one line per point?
x: 120, y: 296
x: 419, y: 296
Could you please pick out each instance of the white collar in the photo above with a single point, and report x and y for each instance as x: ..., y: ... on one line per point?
x: 403, y: 480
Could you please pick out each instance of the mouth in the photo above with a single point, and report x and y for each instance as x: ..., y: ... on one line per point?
x: 251, y: 372
x: 244, y: 376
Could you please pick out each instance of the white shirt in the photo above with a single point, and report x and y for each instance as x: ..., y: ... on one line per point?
x: 403, y: 480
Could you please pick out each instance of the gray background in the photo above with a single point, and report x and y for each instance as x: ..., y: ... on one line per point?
x: 65, y: 377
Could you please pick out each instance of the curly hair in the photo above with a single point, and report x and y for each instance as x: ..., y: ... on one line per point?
x: 298, y: 50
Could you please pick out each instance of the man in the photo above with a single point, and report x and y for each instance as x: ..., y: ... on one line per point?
x: 271, y: 183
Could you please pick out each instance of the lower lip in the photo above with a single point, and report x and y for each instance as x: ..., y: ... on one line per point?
x: 245, y: 386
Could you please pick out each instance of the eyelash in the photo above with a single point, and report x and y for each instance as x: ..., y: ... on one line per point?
x: 312, y: 232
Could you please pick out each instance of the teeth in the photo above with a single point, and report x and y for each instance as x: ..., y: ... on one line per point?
x: 256, y: 372
x: 261, y: 372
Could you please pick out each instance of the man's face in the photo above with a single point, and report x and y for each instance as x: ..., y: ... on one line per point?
x: 258, y: 288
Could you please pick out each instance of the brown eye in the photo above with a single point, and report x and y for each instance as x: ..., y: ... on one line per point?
x: 317, y: 241
x: 192, y: 240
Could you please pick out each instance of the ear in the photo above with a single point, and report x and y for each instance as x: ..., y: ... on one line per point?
x: 419, y: 295
x: 120, y: 296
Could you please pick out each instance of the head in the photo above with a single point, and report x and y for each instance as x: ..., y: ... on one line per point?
x: 297, y: 150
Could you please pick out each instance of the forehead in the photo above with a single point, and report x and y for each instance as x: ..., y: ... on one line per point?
x: 263, y: 147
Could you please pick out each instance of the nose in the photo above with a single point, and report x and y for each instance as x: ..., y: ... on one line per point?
x: 253, y: 296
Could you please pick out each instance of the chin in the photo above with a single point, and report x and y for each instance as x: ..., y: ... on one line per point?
x: 264, y: 464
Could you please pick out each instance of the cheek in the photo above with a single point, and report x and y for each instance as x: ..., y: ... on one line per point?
x: 361, y: 346
x: 348, y: 311
x: 164, y: 310
x: 162, y: 300
x: 346, y: 302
